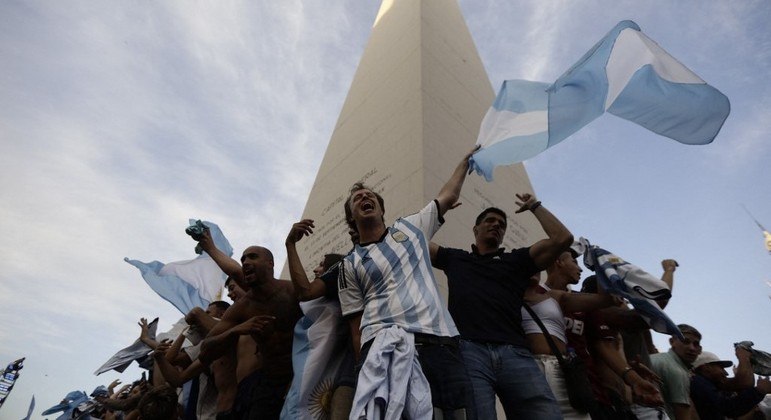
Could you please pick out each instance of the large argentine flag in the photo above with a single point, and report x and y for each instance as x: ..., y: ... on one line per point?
x: 626, y: 74
x: 628, y: 281
x: 191, y: 283
x: 319, y: 346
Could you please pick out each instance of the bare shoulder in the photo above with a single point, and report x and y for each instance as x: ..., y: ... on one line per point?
x: 237, y: 312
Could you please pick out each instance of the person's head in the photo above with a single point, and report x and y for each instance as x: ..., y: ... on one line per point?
x: 159, y: 403
x: 235, y: 292
x: 590, y: 285
x: 489, y: 227
x: 565, y: 269
x: 689, y: 348
x: 326, y: 263
x: 363, y: 203
x: 257, y: 265
x: 217, y: 308
x: 711, y: 367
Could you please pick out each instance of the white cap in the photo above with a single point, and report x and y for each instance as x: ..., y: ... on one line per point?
x: 707, y: 357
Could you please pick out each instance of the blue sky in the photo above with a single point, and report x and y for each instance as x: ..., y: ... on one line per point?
x: 120, y: 121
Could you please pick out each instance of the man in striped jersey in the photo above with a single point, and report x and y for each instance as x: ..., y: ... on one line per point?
x: 387, y: 281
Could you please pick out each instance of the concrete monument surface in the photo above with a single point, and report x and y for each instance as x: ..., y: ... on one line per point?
x: 413, y: 110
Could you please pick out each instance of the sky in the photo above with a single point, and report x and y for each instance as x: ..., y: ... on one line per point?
x: 119, y: 121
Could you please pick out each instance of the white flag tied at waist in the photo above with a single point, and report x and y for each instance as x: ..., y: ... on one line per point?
x: 626, y: 74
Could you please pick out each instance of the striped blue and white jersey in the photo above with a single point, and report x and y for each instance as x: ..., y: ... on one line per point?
x: 391, y: 282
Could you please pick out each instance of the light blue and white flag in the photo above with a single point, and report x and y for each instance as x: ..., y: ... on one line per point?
x: 626, y: 74
x: 68, y: 404
x: 191, y: 283
x: 630, y: 282
x: 320, y: 344
x: 136, y: 351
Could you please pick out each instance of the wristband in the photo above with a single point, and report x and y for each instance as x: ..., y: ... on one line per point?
x: 535, y: 205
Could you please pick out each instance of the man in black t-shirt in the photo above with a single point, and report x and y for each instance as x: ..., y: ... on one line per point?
x: 486, y: 290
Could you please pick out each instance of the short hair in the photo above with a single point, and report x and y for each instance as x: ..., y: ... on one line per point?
x: 331, y: 259
x: 159, y: 403
x: 490, y: 210
x: 687, y: 329
x: 220, y: 304
x: 590, y: 284
x: 347, y: 205
x: 228, y: 280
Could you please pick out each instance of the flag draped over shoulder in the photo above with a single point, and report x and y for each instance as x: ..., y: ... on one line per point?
x: 136, y: 351
x: 188, y: 284
x: 625, y: 73
x: 320, y: 344
x: 630, y: 282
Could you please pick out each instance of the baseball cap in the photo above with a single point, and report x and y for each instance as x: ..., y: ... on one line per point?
x: 707, y: 357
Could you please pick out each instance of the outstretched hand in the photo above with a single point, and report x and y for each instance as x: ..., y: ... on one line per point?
x: 206, y: 242
x: 526, y: 202
x: 467, y: 158
x: 302, y: 228
x: 144, y: 332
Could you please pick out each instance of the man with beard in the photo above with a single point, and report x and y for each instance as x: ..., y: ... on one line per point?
x: 267, y: 312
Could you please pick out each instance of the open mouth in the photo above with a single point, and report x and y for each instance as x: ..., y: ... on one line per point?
x: 367, y: 206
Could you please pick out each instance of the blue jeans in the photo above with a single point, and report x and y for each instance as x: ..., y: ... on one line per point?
x: 511, y: 373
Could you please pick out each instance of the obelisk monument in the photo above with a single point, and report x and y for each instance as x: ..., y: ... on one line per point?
x: 413, y: 110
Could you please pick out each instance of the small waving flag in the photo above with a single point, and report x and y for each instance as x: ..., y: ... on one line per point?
x: 630, y: 282
x: 191, y: 283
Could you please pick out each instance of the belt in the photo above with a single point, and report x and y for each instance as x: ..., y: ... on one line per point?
x: 429, y: 339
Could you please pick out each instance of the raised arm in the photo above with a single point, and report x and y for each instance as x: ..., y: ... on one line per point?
x: 198, y: 319
x: 228, y: 265
x: 305, y: 289
x: 559, y: 238
x: 668, y: 277
x: 144, y: 334
x: 171, y: 374
x: 580, y: 302
x: 743, y: 376
x: 450, y: 192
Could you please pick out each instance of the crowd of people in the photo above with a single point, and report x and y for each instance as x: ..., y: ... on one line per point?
x: 507, y: 329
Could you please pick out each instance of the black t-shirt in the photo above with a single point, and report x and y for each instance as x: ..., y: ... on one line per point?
x: 486, y: 292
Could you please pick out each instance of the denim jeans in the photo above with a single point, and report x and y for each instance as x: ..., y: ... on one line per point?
x: 511, y: 373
